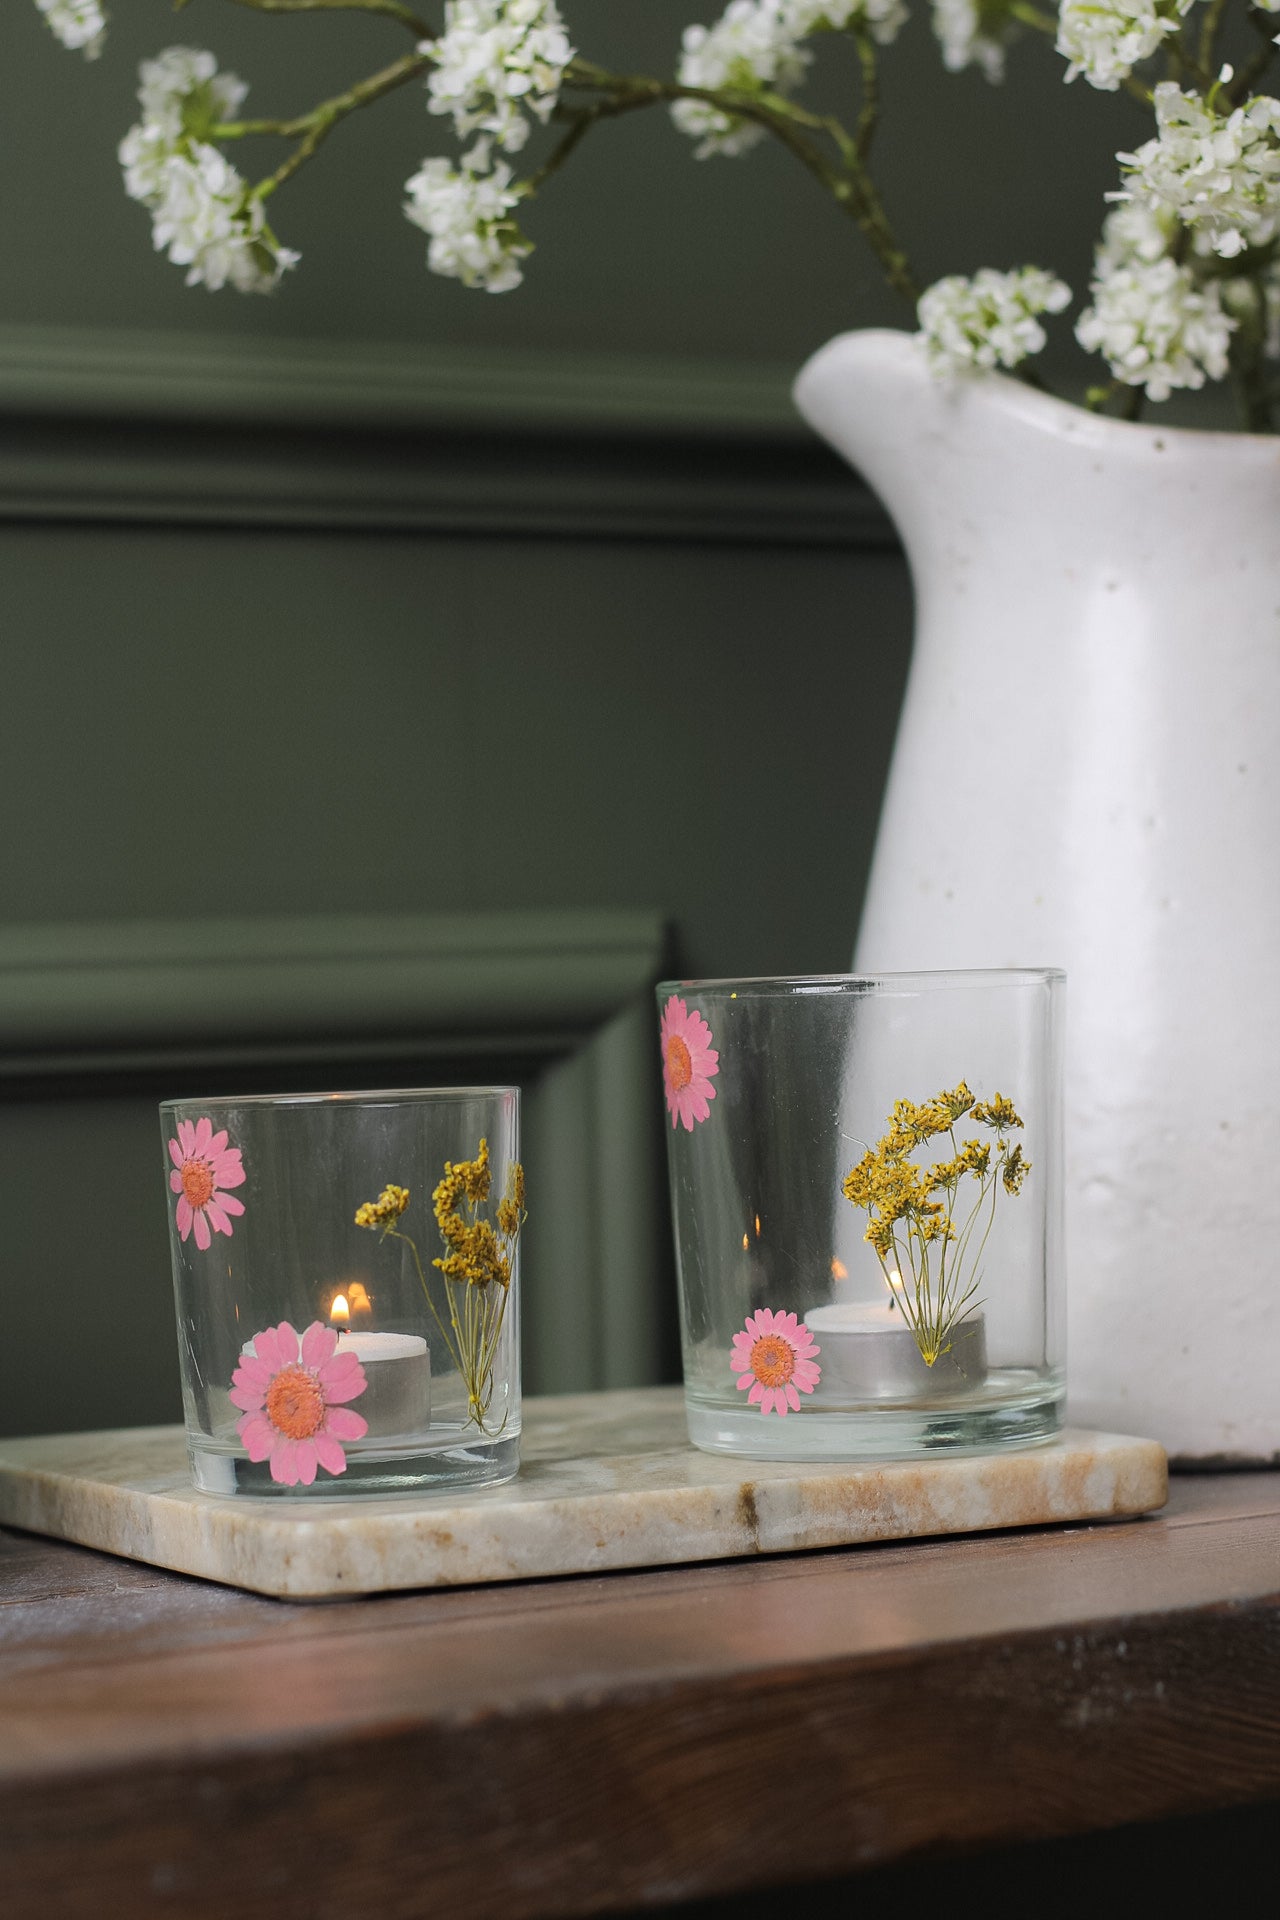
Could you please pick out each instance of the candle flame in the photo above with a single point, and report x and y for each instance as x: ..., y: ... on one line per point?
x: 349, y: 1300
x: 839, y: 1271
x: 746, y: 1242
x: 757, y: 1226
x: 896, y: 1282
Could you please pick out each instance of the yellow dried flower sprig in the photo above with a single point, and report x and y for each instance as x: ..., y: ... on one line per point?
x: 479, y: 1260
x: 998, y: 1113
x: 1014, y: 1170
x: 479, y: 1253
x: 912, y: 1208
x: 388, y: 1206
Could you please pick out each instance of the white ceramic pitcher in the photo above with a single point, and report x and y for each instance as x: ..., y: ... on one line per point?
x: 1087, y: 774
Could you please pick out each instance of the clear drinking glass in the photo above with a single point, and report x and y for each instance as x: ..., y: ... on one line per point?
x: 345, y: 1268
x: 866, y: 1184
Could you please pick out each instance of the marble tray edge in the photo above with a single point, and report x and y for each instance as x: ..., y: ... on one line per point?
x: 346, y: 1550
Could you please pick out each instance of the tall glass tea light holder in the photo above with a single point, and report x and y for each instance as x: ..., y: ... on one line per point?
x: 345, y: 1270
x: 866, y: 1185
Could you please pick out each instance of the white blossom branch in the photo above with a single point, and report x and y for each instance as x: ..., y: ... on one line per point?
x: 391, y: 8
x: 848, y: 181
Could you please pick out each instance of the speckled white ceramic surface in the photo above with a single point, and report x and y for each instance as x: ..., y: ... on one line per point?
x: 1068, y: 570
x: 609, y: 1480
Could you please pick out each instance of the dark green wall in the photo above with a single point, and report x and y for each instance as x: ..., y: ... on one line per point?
x: 380, y: 596
x: 229, y: 722
x: 220, y: 721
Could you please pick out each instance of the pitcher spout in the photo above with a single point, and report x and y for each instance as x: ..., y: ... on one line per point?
x: 860, y: 385
x: 870, y: 394
x: 986, y: 463
x: 930, y: 445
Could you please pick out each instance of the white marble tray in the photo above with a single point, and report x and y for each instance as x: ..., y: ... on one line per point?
x: 609, y: 1480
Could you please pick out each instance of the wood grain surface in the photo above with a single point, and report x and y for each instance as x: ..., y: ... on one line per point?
x: 633, y: 1740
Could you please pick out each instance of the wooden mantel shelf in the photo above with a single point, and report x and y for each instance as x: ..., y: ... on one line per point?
x: 631, y: 1740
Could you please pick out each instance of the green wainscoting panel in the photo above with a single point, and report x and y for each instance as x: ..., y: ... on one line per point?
x: 559, y: 1003
x: 251, y: 723
x: 593, y: 1316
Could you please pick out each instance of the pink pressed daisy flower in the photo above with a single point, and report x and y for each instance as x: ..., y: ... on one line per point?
x: 774, y: 1358
x: 291, y: 1392
x: 204, y: 1166
x: 688, y: 1063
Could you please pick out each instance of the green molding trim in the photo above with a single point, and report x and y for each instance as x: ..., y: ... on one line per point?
x: 81, y: 373
x: 79, y: 995
x: 138, y: 429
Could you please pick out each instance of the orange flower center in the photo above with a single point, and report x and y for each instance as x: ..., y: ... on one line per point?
x: 295, y: 1404
x: 197, y: 1182
x: 679, y: 1063
x: 773, y: 1361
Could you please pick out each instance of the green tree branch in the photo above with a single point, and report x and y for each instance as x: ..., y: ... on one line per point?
x: 392, y: 9
x: 310, y: 129
x: 847, y: 180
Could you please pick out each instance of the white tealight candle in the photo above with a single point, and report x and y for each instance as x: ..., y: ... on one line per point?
x: 868, y: 1352
x: 397, y: 1371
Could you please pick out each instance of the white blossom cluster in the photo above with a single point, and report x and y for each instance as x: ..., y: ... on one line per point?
x: 1105, y: 39
x: 467, y: 213
x: 757, y: 45
x: 752, y: 46
x: 1156, y: 328
x: 883, y: 19
x: 77, y: 23
x: 208, y: 222
x: 1134, y: 233
x: 971, y: 36
x: 182, y: 91
x: 203, y: 214
x: 989, y: 320
x: 496, y: 62
x: 1219, y: 176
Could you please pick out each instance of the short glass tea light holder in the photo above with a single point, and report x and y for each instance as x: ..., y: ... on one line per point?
x: 866, y: 1187
x: 345, y: 1270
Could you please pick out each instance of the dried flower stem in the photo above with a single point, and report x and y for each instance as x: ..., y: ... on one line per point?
x: 937, y: 1303
x: 906, y: 1220
x: 459, y: 1346
x: 479, y: 1260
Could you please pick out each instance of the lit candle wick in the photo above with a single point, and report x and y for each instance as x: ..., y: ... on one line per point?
x: 339, y: 1312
